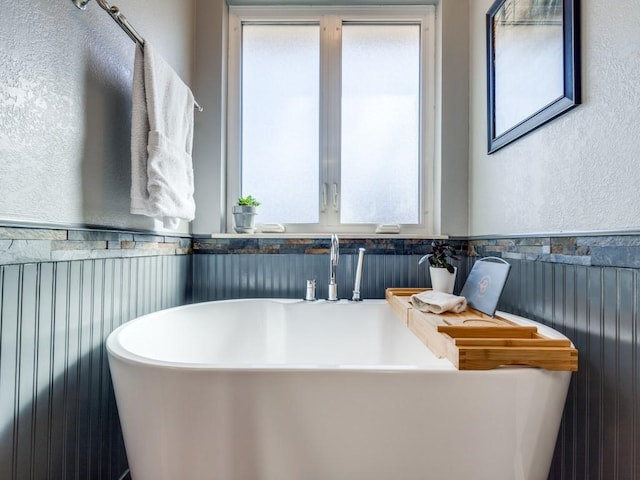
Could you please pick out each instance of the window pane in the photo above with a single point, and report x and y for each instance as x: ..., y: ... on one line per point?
x: 380, y: 136
x: 280, y: 121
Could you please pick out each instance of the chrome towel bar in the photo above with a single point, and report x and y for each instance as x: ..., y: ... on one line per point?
x: 121, y: 20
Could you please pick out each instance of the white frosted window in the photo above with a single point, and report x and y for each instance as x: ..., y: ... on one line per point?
x: 327, y: 110
x: 280, y: 121
x: 380, y: 137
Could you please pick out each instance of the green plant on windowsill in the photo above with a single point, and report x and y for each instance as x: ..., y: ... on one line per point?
x: 244, y: 214
x: 248, y: 201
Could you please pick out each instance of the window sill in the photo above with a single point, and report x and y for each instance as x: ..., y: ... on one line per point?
x: 354, y: 236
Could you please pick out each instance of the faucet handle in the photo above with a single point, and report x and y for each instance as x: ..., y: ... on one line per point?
x: 311, y: 291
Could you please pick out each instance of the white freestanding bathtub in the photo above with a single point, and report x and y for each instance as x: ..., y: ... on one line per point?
x: 289, y: 390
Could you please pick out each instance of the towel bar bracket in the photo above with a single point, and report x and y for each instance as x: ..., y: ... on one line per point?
x: 81, y: 4
x: 119, y: 18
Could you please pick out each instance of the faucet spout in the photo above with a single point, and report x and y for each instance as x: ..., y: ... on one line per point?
x: 333, y: 266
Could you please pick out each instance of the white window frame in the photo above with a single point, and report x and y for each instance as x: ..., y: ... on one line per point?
x: 330, y: 19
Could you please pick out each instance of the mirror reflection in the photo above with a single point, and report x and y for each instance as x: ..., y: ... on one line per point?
x: 529, y: 74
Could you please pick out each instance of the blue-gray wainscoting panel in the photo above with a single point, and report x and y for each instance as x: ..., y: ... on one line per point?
x: 58, y: 418
x: 599, y: 309
x: 224, y: 276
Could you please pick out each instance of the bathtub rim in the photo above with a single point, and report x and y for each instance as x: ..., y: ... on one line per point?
x: 117, y: 352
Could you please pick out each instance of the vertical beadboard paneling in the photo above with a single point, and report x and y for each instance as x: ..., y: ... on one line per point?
x: 597, y: 307
x: 225, y: 276
x: 624, y: 387
x: 43, y: 371
x: 115, y: 306
x: 58, y: 418
x: 279, y: 275
x: 57, y: 412
x: 9, y: 348
x: 580, y: 383
x: 25, y: 378
x: 611, y: 372
x: 591, y: 356
x: 57, y: 406
x: 101, y: 411
x: 635, y: 375
x: 565, y: 320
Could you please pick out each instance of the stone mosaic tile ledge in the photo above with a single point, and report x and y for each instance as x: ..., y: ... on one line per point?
x: 313, y: 246
x: 30, y: 245
x: 594, y: 250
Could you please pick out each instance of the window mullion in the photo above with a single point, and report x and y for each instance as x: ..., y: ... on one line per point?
x: 330, y: 73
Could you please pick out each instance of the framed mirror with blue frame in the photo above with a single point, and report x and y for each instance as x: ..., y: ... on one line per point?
x: 533, y: 68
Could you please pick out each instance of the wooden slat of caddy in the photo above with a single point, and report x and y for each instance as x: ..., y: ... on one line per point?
x: 481, y: 358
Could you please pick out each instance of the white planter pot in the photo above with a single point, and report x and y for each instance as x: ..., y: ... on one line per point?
x: 442, y: 280
x: 244, y: 218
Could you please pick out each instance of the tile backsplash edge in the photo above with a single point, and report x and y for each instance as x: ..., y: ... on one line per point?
x: 45, y: 244
x: 30, y: 245
x: 589, y: 250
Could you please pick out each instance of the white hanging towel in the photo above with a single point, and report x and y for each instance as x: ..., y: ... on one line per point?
x: 161, y: 141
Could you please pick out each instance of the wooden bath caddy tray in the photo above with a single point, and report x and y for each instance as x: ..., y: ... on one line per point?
x: 472, y: 340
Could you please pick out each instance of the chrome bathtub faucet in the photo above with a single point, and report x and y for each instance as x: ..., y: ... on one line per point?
x: 333, y: 266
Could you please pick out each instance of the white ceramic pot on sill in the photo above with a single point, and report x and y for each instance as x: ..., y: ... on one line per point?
x: 442, y: 280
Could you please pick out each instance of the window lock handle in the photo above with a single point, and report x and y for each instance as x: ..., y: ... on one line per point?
x: 325, y: 195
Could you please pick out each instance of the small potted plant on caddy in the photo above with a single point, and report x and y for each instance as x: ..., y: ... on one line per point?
x: 244, y: 214
x: 443, y: 274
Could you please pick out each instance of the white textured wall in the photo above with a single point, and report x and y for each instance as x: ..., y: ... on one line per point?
x: 209, y: 143
x: 451, y: 183
x: 580, y: 172
x: 65, y: 106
